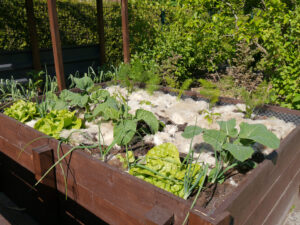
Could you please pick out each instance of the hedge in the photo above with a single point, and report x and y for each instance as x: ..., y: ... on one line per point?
x: 185, y: 39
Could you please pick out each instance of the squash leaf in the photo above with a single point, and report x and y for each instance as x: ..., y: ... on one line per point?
x: 191, y: 131
x: 215, y: 138
x: 85, y: 83
x: 108, y: 109
x: 148, y: 118
x: 239, y: 152
x: 260, y: 134
x: 74, y: 99
x: 228, y: 127
x: 124, y: 131
x: 99, y: 95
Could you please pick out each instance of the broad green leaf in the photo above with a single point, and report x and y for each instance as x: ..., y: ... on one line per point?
x: 228, y: 127
x: 84, y: 83
x: 260, y: 134
x: 191, y: 131
x: 112, y: 102
x: 111, y: 113
x: 239, y: 152
x: 81, y: 101
x: 60, y: 105
x: 99, y: 109
x: 215, y: 138
x: 109, y: 109
x: 124, y: 132
x: 296, y: 98
x: 74, y: 99
x: 99, y: 95
x: 148, y: 118
x: 64, y: 94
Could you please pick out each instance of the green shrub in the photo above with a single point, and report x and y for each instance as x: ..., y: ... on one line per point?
x: 77, y: 22
x: 203, y: 36
x: 196, y: 38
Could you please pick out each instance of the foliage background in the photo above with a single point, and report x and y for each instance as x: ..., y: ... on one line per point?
x: 184, y: 38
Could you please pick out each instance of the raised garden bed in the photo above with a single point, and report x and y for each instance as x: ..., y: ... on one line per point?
x: 98, y: 190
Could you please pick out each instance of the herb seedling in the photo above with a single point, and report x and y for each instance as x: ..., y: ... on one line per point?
x: 255, y: 99
x: 185, y: 85
x: 210, y: 116
x: 210, y: 91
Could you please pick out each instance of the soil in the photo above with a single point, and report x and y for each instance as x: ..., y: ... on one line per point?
x: 214, y: 194
x: 139, y: 149
x: 176, y: 115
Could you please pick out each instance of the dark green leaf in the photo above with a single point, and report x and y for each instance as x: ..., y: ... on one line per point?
x: 215, y: 138
x: 148, y: 118
x: 124, y: 132
x: 239, y: 152
x: 259, y: 133
x: 191, y: 131
x: 84, y: 83
x: 228, y: 127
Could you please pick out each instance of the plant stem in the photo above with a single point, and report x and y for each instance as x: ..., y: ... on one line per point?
x: 197, y: 195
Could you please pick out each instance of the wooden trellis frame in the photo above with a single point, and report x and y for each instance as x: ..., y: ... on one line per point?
x: 56, y: 42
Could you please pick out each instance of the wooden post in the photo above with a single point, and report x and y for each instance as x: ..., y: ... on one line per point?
x: 125, y: 30
x: 43, y: 159
x: 100, y: 22
x: 56, y: 44
x: 159, y: 216
x: 34, y: 43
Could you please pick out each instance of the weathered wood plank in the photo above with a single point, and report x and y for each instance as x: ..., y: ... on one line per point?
x: 159, y: 216
x: 248, y: 194
x: 277, y: 198
x: 43, y: 160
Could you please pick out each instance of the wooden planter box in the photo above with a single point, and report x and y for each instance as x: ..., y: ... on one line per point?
x: 99, y: 193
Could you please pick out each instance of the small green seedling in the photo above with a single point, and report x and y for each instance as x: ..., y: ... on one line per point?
x: 210, y: 91
x: 210, y: 116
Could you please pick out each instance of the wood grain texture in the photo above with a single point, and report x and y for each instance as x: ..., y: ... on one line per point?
x: 159, y: 216
x: 118, y: 198
x: 253, y: 190
x: 125, y: 30
x: 56, y: 44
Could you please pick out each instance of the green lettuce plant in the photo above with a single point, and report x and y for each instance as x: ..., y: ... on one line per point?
x: 162, y: 167
x: 22, y: 111
x: 57, y: 120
